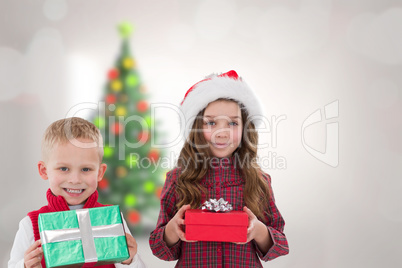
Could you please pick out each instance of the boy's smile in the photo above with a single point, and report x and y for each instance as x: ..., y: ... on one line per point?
x: 73, y: 172
x: 73, y: 191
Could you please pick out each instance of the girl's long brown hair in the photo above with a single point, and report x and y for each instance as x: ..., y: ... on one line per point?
x: 194, y: 162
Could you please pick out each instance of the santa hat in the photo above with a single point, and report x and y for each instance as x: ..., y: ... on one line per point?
x: 227, y: 85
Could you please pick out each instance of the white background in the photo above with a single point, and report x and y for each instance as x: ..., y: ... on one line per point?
x: 298, y: 55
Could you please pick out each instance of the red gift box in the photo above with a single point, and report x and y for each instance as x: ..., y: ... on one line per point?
x: 221, y: 226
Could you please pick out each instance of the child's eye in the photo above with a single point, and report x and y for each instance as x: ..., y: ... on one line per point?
x: 209, y: 123
x: 64, y: 169
x: 86, y: 169
x: 233, y: 124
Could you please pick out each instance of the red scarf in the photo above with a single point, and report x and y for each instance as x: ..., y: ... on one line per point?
x: 56, y: 204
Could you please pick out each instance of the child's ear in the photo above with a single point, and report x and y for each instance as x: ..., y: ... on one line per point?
x: 102, y: 170
x: 42, y: 170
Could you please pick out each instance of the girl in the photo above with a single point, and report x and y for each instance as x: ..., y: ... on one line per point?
x: 218, y: 160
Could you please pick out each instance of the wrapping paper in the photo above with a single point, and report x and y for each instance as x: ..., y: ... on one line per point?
x: 83, y: 236
x: 220, y: 227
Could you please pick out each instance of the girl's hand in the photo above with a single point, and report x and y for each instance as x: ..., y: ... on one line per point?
x: 173, y: 230
x: 33, y: 255
x: 258, y: 231
x: 132, y: 248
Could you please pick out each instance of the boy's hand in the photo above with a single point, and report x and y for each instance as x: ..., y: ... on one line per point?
x: 132, y: 248
x: 33, y: 256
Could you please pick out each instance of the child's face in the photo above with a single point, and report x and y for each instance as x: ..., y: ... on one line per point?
x: 223, y: 127
x: 73, y: 172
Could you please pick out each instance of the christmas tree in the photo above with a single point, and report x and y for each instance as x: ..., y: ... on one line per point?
x: 133, y: 178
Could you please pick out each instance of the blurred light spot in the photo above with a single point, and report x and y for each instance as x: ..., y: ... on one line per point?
x: 46, y: 75
x: 378, y: 37
x: 55, y: 9
x: 247, y: 22
x: 12, y: 72
x: 85, y: 81
x: 286, y: 33
x: 45, y: 54
x: 181, y: 37
x: 383, y: 93
x: 215, y: 19
x: 49, y: 33
x: 45, y: 44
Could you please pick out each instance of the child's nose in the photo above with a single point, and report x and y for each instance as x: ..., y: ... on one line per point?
x: 222, y: 132
x: 75, y: 179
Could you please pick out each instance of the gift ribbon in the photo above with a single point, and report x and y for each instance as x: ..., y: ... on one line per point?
x: 88, y: 244
x: 217, y: 205
x: 86, y: 233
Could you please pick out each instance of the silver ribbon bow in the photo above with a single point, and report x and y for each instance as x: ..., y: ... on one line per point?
x: 217, y: 205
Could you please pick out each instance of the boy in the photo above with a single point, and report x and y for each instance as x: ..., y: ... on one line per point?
x: 72, y: 163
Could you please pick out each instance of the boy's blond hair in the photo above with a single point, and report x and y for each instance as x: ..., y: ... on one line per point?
x: 69, y: 130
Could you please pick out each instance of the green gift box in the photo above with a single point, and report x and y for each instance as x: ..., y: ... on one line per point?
x: 84, y: 236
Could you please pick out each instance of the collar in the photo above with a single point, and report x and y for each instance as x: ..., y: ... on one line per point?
x: 224, y: 162
x: 58, y: 203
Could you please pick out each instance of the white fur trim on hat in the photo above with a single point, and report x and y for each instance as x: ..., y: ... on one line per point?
x: 216, y: 87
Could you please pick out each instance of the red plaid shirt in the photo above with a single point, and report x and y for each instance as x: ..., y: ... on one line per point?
x: 222, y: 180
